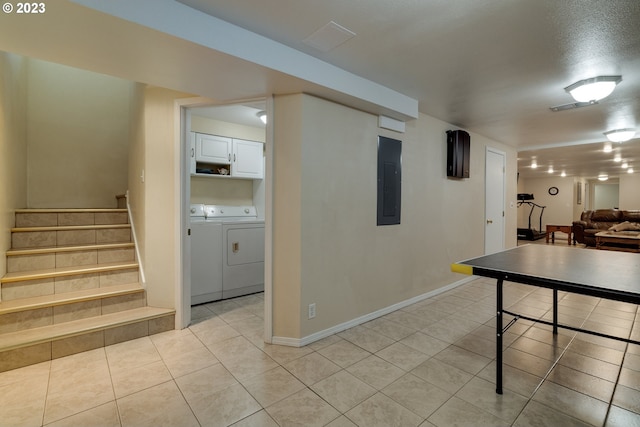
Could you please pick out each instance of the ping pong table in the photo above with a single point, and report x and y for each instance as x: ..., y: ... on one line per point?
x: 604, y: 274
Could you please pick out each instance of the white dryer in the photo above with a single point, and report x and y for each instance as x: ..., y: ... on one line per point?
x: 242, y: 249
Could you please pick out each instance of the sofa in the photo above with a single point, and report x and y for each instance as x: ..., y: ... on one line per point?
x: 592, y: 222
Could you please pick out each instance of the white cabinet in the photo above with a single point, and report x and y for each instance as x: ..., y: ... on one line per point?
x: 222, y: 156
x: 247, y: 159
x: 213, y: 149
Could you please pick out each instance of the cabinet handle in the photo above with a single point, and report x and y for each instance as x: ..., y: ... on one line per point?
x: 229, y: 156
x: 234, y: 157
x: 192, y: 152
x: 236, y: 247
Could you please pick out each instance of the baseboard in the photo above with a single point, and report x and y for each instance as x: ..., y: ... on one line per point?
x: 300, y: 342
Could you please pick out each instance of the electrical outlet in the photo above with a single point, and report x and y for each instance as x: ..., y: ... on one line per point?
x: 312, y: 310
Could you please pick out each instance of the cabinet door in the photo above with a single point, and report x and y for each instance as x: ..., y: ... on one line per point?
x: 213, y: 149
x: 248, y: 160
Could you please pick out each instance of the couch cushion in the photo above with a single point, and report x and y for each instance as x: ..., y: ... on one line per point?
x: 631, y: 216
x: 606, y: 215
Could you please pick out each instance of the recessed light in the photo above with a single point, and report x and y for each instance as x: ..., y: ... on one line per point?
x: 607, y: 148
x: 624, y: 165
x: 603, y: 177
x: 630, y: 170
x: 617, y: 158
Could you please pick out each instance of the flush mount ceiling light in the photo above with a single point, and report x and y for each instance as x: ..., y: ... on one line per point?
x: 620, y: 135
x: 262, y: 116
x: 593, y: 89
x: 603, y: 177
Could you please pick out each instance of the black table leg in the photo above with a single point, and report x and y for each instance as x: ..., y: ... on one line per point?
x: 555, y: 312
x: 499, y: 337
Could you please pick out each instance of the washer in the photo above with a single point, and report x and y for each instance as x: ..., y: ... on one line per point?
x: 242, y: 249
x: 206, y: 256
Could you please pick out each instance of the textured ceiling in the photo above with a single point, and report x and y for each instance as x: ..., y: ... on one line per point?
x: 489, y: 66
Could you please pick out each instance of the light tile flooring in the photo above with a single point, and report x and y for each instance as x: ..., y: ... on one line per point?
x: 430, y: 364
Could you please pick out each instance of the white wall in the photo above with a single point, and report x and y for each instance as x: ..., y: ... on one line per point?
x: 629, y: 193
x: 78, y: 137
x: 559, y: 209
x: 13, y: 144
x: 605, y: 195
x: 327, y: 247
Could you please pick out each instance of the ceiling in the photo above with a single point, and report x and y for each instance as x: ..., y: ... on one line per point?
x: 492, y: 67
x: 488, y: 66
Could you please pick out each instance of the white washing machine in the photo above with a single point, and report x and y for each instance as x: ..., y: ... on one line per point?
x: 242, y: 249
x: 206, y: 256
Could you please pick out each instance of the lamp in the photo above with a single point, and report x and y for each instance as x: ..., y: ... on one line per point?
x: 620, y: 135
x: 593, y: 89
x: 262, y: 115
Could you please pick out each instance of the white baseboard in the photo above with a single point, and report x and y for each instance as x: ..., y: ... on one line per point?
x: 300, y: 342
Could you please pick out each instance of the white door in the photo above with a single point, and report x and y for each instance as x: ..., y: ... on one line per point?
x: 494, y: 201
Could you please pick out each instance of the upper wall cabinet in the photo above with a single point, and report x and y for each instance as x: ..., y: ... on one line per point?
x: 220, y: 156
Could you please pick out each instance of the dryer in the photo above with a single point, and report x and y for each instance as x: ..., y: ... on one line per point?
x: 242, y: 249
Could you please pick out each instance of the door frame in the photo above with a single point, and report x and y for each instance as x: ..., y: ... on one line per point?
x: 183, y: 255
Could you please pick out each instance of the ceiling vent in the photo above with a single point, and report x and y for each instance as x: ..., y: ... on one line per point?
x: 329, y: 37
x: 572, y: 106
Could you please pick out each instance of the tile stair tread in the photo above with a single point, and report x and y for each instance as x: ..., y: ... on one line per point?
x: 33, y: 303
x: 69, y: 227
x: 13, y: 340
x: 74, y: 248
x: 66, y: 271
x: 71, y: 210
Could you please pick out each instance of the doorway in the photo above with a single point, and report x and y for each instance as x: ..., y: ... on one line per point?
x: 494, y: 201
x: 226, y: 119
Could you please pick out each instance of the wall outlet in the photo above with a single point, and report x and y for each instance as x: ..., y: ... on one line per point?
x: 312, y: 310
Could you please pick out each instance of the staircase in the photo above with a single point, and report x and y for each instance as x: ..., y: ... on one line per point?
x: 72, y: 285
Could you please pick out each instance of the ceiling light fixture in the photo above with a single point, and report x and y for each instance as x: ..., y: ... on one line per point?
x: 262, y: 116
x: 550, y: 169
x: 593, y: 89
x: 620, y: 135
x: 617, y: 158
x: 533, y: 164
x: 607, y: 148
x: 630, y: 170
x: 563, y: 174
x: 603, y: 177
x: 624, y: 165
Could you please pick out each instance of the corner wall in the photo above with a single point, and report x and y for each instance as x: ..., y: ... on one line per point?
x: 327, y: 247
x: 78, y: 128
x: 13, y: 144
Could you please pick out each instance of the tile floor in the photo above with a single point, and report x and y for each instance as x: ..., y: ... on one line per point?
x: 430, y: 364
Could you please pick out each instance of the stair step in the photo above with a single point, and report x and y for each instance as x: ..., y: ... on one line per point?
x: 60, y: 331
x: 43, y: 301
x: 73, y: 210
x: 66, y: 271
x: 69, y: 227
x: 75, y: 248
